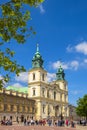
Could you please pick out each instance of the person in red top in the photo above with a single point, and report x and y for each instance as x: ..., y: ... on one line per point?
x: 66, y: 122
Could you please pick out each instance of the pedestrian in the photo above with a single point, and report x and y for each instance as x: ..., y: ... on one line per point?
x: 25, y: 121
x: 66, y: 122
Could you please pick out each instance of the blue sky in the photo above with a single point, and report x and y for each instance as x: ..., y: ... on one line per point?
x: 61, y: 27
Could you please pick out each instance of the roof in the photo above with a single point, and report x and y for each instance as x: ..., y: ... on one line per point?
x: 19, y: 89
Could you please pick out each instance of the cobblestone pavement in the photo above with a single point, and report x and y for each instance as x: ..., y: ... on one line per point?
x: 16, y: 127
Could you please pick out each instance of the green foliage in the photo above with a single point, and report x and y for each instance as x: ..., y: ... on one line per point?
x: 14, y: 19
x: 82, y: 106
x: 13, y: 25
x: 8, y: 65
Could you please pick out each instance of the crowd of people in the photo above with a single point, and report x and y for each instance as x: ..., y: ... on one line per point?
x: 6, y: 122
x: 83, y: 122
x: 47, y: 122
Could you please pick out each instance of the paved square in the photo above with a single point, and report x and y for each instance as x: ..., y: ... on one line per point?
x: 34, y: 128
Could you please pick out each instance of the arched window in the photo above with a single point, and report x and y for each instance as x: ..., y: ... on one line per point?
x: 54, y: 95
x: 33, y: 92
x: 33, y: 76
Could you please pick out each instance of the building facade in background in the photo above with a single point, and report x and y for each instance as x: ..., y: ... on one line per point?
x: 72, y: 113
x: 16, y: 105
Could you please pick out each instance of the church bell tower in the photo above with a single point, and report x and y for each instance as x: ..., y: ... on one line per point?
x: 37, y: 73
x: 60, y: 75
x: 37, y: 79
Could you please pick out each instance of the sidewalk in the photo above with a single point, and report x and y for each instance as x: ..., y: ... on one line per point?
x: 22, y: 127
x: 80, y: 127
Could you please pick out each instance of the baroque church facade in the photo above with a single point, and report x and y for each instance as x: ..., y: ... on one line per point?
x: 42, y: 99
x: 51, y: 97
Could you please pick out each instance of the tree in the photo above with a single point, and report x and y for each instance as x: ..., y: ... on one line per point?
x: 13, y: 25
x: 81, y: 109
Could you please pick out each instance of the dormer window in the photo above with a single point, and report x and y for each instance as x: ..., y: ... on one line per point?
x: 33, y: 76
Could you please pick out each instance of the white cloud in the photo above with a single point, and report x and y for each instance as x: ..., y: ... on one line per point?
x: 74, y: 64
x: 69, y: 65
x: 17, y: 85
x: 70, y: 48
x: 82, y: 48
x: 23, y: 77
x: 42, y: 10
x: 56, y: 65
x: 4, y: 83
x: 51, y: 76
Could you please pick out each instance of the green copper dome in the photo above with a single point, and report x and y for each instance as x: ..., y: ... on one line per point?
x: 37, y: 56
x: 60, y: 75
x: 37, y: 60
